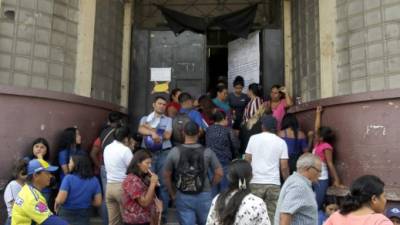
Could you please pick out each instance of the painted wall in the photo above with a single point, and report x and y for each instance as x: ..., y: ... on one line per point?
x: 367, y: 135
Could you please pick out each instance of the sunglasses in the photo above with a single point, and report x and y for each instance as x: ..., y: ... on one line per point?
x: 316, y: 169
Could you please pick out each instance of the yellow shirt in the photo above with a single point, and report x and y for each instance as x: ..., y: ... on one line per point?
x: 30, y: 206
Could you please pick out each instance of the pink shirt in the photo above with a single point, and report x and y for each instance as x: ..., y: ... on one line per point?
x: 320, y: 148
x: 279, y: 112
x: 370, y: 219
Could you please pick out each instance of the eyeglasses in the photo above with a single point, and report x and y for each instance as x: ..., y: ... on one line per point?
x: 316, y: 169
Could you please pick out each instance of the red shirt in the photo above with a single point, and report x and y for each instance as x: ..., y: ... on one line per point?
x: 133, y: 213
x: 176, y: 105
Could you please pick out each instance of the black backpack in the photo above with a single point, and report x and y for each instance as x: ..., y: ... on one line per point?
x: 177, y: 128
x: 190, y: 173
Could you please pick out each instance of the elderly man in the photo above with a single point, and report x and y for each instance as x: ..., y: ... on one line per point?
x: 297, y: 204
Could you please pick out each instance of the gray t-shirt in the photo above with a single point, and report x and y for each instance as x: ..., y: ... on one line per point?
x: 210, y: 162
x: 10, y: 194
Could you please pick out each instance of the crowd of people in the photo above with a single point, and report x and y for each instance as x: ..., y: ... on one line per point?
x: 222, y: 159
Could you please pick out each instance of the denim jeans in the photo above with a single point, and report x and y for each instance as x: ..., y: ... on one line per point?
x: 75, y: 216
x: 192, y: 208
x: 103, y: 180
x: 223, y: 185
x: 159, y: 158
x: 320, y: 189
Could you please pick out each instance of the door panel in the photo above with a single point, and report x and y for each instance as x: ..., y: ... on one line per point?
x: 184, y: 53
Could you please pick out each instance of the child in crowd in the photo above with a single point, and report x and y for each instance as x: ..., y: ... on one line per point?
x: 78, y: 192
x: 329, y: 207
x: 140, y: 204
x: 394, y: 215
x: 323, y: 140
x: 40, y: 150
x: 13, y: 188
x: 69, y: 145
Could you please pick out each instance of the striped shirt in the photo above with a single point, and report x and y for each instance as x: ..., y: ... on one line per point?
x: 251, y: 108
x: 298, y: 199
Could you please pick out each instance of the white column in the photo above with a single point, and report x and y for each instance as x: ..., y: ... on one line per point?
x: 84, y: 59
x: 328, y: 59
x: 126, y: 49
x: 287, y: 33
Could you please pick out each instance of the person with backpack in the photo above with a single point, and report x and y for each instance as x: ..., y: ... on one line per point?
x: 157, y: 130
x: 96, y: 154
x: 186, y: 113
x: 188, y: 165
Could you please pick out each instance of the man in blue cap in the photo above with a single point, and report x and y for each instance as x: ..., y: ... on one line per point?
x: 30, y: 205
x: 394, y: 215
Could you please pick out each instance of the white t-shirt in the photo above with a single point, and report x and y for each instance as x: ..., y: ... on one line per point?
x: 117, y: 157
x: 10, y: 194
x: 267, y: 149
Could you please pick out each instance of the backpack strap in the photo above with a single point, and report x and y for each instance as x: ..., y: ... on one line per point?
x: 106, y: 137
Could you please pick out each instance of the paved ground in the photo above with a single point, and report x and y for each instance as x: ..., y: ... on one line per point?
x: 171, y: 219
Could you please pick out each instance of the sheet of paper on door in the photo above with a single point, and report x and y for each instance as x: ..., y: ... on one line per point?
x: 160, y: 74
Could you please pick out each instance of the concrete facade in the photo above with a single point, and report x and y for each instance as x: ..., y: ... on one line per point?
x: 107, y: 54
x: 38, y: 44
x: 305, y: 49
x: 368, y: 45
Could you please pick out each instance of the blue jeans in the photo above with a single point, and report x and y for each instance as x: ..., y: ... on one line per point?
x: 103, y: 178
x: 320, y: 189
x: 157, y: 166
x: 75, y: 216
x: 223, y: 185
x: 192, y: 208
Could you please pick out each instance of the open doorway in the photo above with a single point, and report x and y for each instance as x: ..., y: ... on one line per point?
x: 217, y: 57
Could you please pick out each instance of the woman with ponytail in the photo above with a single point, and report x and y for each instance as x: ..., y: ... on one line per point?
x: 237, y: 205
x: 364, y: 204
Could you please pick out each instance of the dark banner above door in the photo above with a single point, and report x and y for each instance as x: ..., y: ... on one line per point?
x: 238, y: 23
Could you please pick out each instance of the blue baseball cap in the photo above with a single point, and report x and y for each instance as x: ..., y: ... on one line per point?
x: 393, y: 212
x: 38, y: 165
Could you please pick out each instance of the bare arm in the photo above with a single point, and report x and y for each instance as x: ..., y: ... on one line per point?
x: 60, y: 199
x: 167, y: 135
x: 218, y: 174
x: 285, y: 219
x: 331, y: 167
x: 317, y: 123
x: 148, y: 198
x: 168, y: 183
x: 248, y: 157
x: 65, y: 169
x: 284, y: 167
x: 97, y: 200
x: 93, y: 155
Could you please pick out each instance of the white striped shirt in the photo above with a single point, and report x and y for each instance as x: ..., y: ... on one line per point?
x: 297, y: 199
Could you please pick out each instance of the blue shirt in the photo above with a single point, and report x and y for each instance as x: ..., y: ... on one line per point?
x: 195, y: 116
x: 63, y: 158
x: 222, y: 105
x: 165, y: 124
x: 80, y: 191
